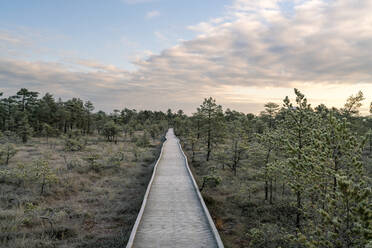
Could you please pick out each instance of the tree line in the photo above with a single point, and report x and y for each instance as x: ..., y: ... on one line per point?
x: 25, y: 114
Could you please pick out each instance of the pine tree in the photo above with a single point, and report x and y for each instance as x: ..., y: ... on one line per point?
x: 238, y: 145
x: 353, y: 104
x: 212, y: 123
x: 24, y: 129
x: 7, y: 151
x: 297, y: 140
x: 340, y: 213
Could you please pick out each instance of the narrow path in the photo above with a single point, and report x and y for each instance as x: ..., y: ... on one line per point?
x: 173, y: 214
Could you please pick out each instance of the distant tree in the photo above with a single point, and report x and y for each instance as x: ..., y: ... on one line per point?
x: 197, y: 123
x: 144, y: 140
x: 180, y: 126
x: 154, y: 130
x: 181, y: 114
x: 75, y: 113
x: 24, y: 129
x: 115, y: 116
x: 2, y: 113
x: 111, y: 131
x: 212, y: 123
x: 238, y: 145
x: 353, y: 104
x: 26, y: 98
x: 271, y: 109
x: 268, y: 141
x: 7, y: 151
x: 170, y: 117
x: 46, y: 112
x: 48, y: 131
x: 8, y: 108
x: 88, y: 106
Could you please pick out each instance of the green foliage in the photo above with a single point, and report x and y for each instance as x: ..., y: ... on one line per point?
x: 211, y: 124
x: 25, y: 114
x: 24, y: 130
x: 211, y: 179
x: 267, y: 236
x: 92, y: 160
x: 38, y: 172
x: 237, y: 144
x: 353, y: 104
x: 117, y: 158
x: 343, y: 211
x: 143, y: 141
x: 7, y: 151
x: 73, y: 144
x: 316, y: 153
x: 319, y: 154
x: 111, y: 131
x: 42, y: 173
x: 48, y: 131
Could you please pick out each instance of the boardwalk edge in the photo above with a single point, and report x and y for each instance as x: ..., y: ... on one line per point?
x: 206, y: 211
x: 140, y: 214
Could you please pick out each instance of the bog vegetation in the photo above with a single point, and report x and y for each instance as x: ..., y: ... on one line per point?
x: 292, y: 176
x: 69, y: 176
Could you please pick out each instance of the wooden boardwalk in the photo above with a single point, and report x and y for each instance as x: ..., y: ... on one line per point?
x: 173, y: 213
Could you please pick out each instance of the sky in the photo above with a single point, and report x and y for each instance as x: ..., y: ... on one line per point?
x: 160, y: 54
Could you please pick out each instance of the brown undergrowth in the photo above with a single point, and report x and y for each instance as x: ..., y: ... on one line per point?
x: 89, y: 202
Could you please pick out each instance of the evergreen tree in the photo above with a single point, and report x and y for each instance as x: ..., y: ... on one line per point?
x: 212, y: 123
x: 339, y: 212
x: 24, y: 129
x: 238, y: 145
x: 353, y: 104
x: 298, y: 142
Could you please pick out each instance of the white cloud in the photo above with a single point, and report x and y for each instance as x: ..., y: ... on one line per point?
x: 152, y: 14
x: 254, y: 54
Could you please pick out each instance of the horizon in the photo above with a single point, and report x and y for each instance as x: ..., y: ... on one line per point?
x: 160, y: 54
x: 174, y: 111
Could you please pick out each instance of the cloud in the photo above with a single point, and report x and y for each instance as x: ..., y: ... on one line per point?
x: 10, y: 39
x: 255, y: 53
x: 152, y: 14
x: 160, y: 36
x: 138, y: 1
x: 324, y: 42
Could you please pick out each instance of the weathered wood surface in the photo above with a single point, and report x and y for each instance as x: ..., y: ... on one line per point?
x: 174, y: 214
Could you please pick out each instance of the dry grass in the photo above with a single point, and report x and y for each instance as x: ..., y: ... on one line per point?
x: 86, y: 207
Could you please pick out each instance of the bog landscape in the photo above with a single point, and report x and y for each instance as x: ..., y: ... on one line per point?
x: 292, y: 176
x: 186, y: 124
